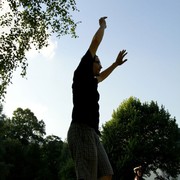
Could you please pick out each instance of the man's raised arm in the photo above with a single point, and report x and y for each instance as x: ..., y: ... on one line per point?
x: 98, y: 36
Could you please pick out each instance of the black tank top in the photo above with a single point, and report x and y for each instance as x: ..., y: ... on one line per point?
x: 85, y: 94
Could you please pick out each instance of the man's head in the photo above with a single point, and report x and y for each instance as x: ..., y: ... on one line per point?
x: 138, y: 171
x: 96, y: 66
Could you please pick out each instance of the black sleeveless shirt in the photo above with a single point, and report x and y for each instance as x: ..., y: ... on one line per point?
x: 85, y: 94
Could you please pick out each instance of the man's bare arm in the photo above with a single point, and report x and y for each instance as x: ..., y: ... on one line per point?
x: 119, y: 61
x: 98, y: 36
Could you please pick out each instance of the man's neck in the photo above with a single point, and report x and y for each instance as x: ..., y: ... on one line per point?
x: 136, y: 178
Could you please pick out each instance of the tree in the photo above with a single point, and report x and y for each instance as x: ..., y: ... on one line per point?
x: 26, y: 154
x: 67, y: 169
x: 25, y: 127
x: 4, y: 167
x: 20, y: 146
x: 142, y: 134
x: 30, y: 23
x: 51, y: 152
x: 2, y: 119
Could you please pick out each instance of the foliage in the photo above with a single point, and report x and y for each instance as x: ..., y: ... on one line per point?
x: 25, y: 127
x: 28, y: 23
x: 67, y: 170
x: 26, y: 154
x: 142, y: 134
x: 138, y: 134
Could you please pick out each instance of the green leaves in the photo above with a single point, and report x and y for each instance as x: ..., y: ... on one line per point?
x: 30, y: 23
x: 26, y: 154
x: 142, y: 133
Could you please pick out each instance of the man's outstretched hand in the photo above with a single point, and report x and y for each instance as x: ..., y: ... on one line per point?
x: 120, y: 58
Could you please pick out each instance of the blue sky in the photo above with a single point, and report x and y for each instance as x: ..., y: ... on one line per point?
x: 148, y: 30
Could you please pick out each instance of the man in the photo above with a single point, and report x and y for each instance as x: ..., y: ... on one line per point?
x: 91, y: 161
x: 138, y: 173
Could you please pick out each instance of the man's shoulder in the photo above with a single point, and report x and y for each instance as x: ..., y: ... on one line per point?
x: 87, y: 54
x: 87, y: 59
x: 84, y: 68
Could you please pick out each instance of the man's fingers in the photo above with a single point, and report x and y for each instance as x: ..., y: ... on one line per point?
x: 104, y: 17
x: 123, y: 53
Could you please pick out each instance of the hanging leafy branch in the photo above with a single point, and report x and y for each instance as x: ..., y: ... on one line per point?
x: 28, y: 23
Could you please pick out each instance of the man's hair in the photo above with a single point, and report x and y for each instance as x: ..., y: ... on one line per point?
x: 95, y: 57
x: 137, y: 168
